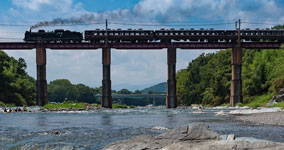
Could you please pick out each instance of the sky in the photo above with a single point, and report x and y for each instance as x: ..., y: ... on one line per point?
x: 134, y: 69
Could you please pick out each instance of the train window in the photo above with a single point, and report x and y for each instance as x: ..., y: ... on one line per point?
x: 132, y: 33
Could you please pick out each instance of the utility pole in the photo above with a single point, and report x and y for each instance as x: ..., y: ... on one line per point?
x: 239, y: 33
x: 106, y: 34
x: 106, y: 24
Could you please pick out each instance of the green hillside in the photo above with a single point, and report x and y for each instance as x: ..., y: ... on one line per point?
x: 207, y: 78
x: 16, y: 86
x: 158, y: 88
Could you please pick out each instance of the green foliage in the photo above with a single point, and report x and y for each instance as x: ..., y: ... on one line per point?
x: 2, y: 104
x: 259, y: 101
x: 281, y: 105
x: 16, y: 86
x: 158, y: 88
x: 116, y: 106
x: 207, y: 79
x: 62, y: 89
x: 65, y: 105
x: 124, y: 91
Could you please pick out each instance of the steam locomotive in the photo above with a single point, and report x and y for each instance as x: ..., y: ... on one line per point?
x: 143, y: 36
x: 56, y: 36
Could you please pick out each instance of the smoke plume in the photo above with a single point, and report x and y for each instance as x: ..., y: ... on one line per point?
x: 83, y: 19
x: 91, y: 18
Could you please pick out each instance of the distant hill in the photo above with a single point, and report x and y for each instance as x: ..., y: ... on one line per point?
x: 160, y: 88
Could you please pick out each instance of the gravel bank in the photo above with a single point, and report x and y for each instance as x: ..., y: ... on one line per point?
x: 270, y: 118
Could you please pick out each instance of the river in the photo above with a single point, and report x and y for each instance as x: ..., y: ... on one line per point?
x: 94, y: 130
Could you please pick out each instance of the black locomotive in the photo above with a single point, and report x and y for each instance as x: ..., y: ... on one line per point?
x: 56, y: 36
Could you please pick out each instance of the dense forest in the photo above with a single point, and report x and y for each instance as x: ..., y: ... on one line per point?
x: 63, y: 90
x: 207, y: 78
x: 16, y: 86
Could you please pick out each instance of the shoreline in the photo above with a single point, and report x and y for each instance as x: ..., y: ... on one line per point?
x: 260, y: 116
x: 265, y: 118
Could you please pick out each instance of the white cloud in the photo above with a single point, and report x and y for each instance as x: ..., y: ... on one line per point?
x: 36, y: 5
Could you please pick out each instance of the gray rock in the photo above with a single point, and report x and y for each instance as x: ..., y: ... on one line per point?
x: 231, y: 137
x: 276, y: 99
x: 55, y: 132
x: 281, y: 92
x: 195, y: 131
x: 194, y: 137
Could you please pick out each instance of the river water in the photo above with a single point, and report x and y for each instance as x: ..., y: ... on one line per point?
x: 94, y: 130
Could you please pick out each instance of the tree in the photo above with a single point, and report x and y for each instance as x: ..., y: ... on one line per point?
x: 16, y: 86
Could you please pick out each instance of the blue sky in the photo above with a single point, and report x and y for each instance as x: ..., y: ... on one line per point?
x: 130, y: 69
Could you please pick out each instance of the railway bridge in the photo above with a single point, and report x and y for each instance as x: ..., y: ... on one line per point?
x: 171, y: 40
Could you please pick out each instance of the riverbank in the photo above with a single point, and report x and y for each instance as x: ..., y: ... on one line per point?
x: 261, y: 116
x: 97, y: 129
x: 268, y: 118
x: 61, y: 107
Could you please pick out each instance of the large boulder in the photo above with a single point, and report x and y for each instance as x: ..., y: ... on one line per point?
x: 191, y: 137
x: 195, y: 131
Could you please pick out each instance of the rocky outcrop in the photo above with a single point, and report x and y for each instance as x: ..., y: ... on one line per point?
x: 277, y: 99
x: 191, y: 137
x: 195, y: 131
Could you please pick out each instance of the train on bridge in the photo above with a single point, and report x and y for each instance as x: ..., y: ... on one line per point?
x: 145, y: 36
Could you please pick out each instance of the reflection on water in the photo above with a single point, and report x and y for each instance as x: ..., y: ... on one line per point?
x: 41, y: 121
x: 171, y: 119
x: 100, y: 128
x: 106, y: 120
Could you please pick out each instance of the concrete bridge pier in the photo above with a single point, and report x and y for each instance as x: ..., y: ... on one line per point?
x: 236, y: 82
x: 155, y: 102
x: 41, y: 84
x: 171, y: 83
x: 106, y: 83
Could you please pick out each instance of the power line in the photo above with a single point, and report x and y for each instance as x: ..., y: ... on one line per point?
x: 140, y: 24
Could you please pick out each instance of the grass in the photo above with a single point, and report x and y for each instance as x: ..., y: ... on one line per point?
x: 77, y: 105
x: 117, y: 106
x: 2, y: 104
x: 226, y: 105
x: 281, y: 105
x: 65, y: 105
x: 258, y: 101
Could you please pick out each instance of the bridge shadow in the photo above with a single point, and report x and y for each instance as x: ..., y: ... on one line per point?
x: 106, y: 120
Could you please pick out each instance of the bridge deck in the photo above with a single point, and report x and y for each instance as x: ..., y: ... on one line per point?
x: 136, y: 96
x: 126, y: 46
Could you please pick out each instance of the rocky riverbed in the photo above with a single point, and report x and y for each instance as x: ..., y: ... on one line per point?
x: 269, y: 118
x: 193, y: 137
